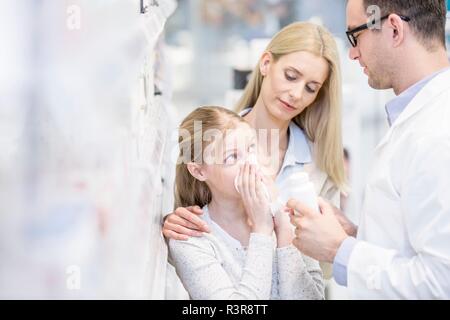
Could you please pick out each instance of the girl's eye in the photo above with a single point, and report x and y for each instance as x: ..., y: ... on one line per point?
x: 231, y: 158
x: 252, y: 147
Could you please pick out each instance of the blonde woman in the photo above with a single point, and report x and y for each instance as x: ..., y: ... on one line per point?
x: 248, y: 254
x: 295, y: 89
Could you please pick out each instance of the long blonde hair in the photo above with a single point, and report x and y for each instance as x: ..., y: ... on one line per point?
x: 321, y: 121
x: 190, y: 191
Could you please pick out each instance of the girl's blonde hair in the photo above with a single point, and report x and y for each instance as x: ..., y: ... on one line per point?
x: 188, y: 190
x: 321, y: 121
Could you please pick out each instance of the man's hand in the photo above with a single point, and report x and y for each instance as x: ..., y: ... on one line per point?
x: 318, y: 235
x: 349, y: 227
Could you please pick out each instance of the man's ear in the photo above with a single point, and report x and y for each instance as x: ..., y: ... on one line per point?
x: 397, y: 26
x: 196, y: 171
x: 264, y: 63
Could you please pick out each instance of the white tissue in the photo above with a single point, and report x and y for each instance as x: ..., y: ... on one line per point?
x: 252, y: 159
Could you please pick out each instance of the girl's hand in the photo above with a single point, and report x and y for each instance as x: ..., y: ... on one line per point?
x: 255, y: 201
x: 184, y: 222
x: 284, y: 230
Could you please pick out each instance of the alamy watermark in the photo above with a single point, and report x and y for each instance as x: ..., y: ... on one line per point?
x: 229, y: 147
x: 73, y: 20
x: 73, y: 280
x: 374, y: 20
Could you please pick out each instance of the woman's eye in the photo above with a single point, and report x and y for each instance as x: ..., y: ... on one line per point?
x: 310, y: 90
x: 290, y: 77
x: 252, y: 147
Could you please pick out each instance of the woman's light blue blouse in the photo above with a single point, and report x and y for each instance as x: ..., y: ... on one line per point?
x: 298, y: 152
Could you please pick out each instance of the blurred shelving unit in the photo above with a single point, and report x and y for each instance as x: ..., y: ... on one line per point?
x: 86, y: 129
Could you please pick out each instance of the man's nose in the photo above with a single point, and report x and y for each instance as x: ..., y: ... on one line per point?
x: 353, y: 53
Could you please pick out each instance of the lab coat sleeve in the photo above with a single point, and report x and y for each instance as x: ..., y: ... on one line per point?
x: 376, y: 272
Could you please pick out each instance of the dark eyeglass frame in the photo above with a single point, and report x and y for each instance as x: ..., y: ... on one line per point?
x: 350, y: 34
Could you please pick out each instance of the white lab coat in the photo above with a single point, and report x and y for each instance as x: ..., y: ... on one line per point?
x: 404, y: 232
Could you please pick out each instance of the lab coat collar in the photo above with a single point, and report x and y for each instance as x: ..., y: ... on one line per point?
x: 432, y: 89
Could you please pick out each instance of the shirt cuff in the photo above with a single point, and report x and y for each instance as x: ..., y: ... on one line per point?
x: 341, y: 260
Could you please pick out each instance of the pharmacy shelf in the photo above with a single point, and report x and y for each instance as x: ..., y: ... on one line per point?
x: 92, y: 175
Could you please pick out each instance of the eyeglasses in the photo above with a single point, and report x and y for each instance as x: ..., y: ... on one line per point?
x: 353, y: 39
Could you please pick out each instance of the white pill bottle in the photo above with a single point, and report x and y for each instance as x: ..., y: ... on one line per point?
x: 299, y: 187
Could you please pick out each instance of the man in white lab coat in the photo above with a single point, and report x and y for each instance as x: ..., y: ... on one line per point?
x: 401, y: 249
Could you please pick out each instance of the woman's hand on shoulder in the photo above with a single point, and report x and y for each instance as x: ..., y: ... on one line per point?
x: 184, y: 223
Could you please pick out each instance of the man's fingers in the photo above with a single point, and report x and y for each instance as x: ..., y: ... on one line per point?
x: 304, y: 210
x: 189, y: 216
x: 288, y: 210
x: 325, y: 207
x: 295, y: 220
x: 173, y: 235
x: 331, y: 208
x: 182, y: 230
x: 300, y: 207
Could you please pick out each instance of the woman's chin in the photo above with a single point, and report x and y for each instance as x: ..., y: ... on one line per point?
x: 281, y: 115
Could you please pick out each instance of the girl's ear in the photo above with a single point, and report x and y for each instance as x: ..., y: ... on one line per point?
x: 264, y: 63
x: 196, y: 171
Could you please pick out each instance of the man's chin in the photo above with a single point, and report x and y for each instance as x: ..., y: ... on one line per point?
x: 378, y: 85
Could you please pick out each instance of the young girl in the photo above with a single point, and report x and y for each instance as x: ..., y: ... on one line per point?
x: 240, y: 258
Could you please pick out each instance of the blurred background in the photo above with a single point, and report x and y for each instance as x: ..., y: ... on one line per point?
x: 91, y: 93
